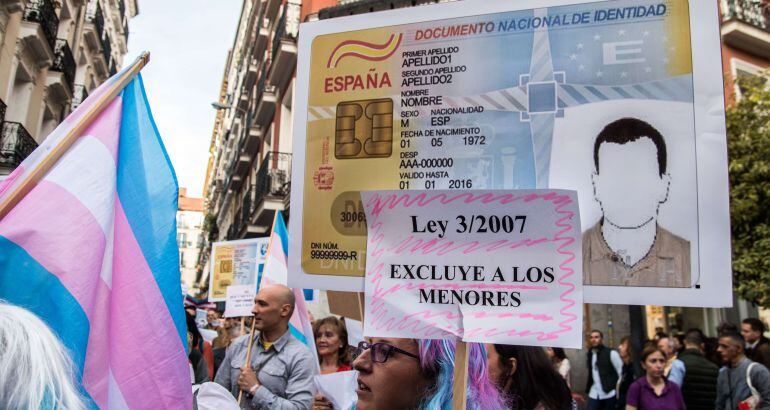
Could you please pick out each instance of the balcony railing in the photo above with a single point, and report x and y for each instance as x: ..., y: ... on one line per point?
x: 94, y: 16
x: 273, y: 176
x: 15, y: 144
x: 748, y: 11
x: 64, y: 63
x: 113, y: 68
x: 43, y: 13
x: 79, y: 95
x: 244, y: 216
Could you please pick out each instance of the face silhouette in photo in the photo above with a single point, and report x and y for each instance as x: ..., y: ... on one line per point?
x: 627, y: 247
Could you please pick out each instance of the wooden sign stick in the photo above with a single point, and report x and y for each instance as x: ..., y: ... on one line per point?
x: 41, y: 169
x: 248, y: 355
x: 361, y: 300
x: 460, y: 390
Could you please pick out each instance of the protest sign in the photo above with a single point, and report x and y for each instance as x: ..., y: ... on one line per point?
x: 347, y: 304
x: 201, y: 318
x: 235, y: 263
x: 355, y: 330
x: 339, y: 388
x: 620, y: 100
x: 239, y: 300
x: 483, y: 266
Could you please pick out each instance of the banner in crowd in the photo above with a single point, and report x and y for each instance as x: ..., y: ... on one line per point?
x: 620, y: 100
x: 235, y: 263
x: 484, y: 266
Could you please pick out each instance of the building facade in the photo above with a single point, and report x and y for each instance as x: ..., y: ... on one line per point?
x: 52, y: 54
x: 189, y: 236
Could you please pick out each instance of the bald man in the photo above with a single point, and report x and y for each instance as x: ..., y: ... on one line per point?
x: 280, y: 372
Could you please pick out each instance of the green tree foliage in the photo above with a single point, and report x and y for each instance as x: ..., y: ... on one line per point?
x: 748, y: 145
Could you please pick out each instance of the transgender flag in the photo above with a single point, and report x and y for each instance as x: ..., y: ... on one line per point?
x: 276, y: 272
x: 92, y: 251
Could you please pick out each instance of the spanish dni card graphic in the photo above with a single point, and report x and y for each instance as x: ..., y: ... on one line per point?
x: 611, y: 98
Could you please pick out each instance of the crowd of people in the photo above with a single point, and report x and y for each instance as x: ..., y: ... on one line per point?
x: 670, y: 372
x: 688, y: 371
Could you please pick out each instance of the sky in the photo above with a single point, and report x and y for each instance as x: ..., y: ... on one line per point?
x: 188, y: 42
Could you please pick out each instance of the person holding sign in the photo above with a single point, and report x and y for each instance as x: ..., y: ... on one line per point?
x: 628, y: 247
x: 280, y: 373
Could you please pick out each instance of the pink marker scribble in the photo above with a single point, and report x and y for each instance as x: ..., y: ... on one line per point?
x: 432, y: 323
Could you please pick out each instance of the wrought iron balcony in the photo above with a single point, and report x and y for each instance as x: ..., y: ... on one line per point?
x: 43, y: 13
x: 243, y: 218
x: 266, y: 101
x: 79, y: 95
x: 64, y: 63
x: 745, y: 25
x: 748, y: 11
x: 2, y: 112
x: 15, y: 144
x: 94, y: 16
x: 284, y: 51
x: 272, y: 176
x: 113, y: 67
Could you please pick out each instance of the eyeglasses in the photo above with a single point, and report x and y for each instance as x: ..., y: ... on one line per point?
x: 380, y: 351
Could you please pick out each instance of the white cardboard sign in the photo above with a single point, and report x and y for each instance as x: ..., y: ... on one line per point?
x: 239, y: 300
x: 483, y: 266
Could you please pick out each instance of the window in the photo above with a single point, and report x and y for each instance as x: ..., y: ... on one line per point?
x: 181, y: 239
x: 742, y: 69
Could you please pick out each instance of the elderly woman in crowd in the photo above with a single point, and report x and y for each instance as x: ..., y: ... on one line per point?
x: 417, y: 374
x: 331, y: 342
x: 35, y: 370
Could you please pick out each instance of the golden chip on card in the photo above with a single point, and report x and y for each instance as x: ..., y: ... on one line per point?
x: 364, y: 129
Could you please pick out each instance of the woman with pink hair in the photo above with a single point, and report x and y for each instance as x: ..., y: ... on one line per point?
x: 417, y: 374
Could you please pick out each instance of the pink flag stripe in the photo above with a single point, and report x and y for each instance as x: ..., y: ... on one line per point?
x: 142, y: 317
x: 73, y: 252
x: 78, y: 249
x: 81, y: 250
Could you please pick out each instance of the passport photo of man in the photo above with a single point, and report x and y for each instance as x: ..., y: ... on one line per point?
x: 627, y: 247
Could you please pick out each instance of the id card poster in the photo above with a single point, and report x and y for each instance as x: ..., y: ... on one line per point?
x: 235, y: 263
x: 619, y: 100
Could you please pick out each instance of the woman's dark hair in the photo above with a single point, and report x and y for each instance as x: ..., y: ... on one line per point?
x: 193, y: 329
x: 650, y: 350
x: 342, y: 333
x: 534, y: 382
x: 626, y: 340
x: 558, y: 353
